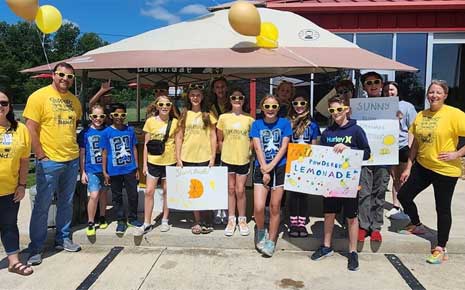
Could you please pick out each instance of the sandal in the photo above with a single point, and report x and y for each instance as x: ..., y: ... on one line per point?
x: 196, y: 229
x: 21, y: 269
x: 205, y: 228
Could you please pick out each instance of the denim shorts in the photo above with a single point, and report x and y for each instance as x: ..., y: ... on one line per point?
x: 95, y: 182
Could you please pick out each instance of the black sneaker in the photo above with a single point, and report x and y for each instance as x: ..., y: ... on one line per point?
x: 321, y: 253
x: 352, y: 263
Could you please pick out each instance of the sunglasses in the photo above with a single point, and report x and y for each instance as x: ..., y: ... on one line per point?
x: 95, y: 116
x: 4, y: 103
x: 270, y: 107
x: 236, y: 98
x: 196, y: 87
x: 119, y: 115
x: 160, y: 91
x: 338, y: 109
x: 372, y: 82
x: 166, y: 104
x: 299, y: 103
x: 343, y: 91
x: 63, y: 75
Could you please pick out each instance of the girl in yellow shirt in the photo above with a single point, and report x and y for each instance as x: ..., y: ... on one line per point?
x: 161, y: 116
x: 196, y: 143
x: 15, y: 148
x: 233, y: 130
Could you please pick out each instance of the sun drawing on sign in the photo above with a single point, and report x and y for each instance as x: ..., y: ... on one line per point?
x: 195, y: 188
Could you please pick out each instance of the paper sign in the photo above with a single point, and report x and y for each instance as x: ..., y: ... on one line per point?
x: 383, y: 137
x: 197, y: 188
x: 374, y: 108
x: 318, y: 170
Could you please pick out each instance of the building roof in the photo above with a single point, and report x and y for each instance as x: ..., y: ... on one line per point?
x: 364, y: 5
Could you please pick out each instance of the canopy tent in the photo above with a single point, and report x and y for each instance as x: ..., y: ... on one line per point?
x: 207, y: 46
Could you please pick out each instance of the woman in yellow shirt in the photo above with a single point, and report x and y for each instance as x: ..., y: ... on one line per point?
x: 15, y: 148
x: 161, y: 120
x: 437, y: 161
x: 234, y: 143
x: 196, y: 143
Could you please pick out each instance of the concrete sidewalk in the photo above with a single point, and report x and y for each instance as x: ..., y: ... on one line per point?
x: 180, y: 234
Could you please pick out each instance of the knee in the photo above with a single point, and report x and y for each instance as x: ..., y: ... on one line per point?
x: 94, y: 196
x: 275, y: 209
x: 150, y: 192
x: 240, y: 192
x: 231, y: 190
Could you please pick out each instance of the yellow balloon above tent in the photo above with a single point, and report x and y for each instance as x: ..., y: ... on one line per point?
x: 244, y: 18
x: 48, y: 19
x: 269, y: 35
x: 26, y: 9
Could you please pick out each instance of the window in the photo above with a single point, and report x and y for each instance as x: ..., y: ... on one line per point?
x: 379, y: 43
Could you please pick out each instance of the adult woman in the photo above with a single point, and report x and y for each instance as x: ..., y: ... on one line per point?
x: 436, y: 131
x: 406, y: 115
x: 196, y: 143
x: 304, y: 131
x: 160, y: 125
x: 15, y: 148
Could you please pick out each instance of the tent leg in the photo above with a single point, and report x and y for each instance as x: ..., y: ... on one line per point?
x: 138, y: 97
x: 83, y: 95
x: 253, y: 97
x: 312, y: 83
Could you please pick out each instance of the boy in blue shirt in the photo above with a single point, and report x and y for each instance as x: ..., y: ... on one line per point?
x: 119, y: 153
x: 342, y: 128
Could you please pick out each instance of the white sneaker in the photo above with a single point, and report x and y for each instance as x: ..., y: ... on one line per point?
x: 139, y: 231
x: 164, y: 227
x: 231, y: 227
x: 243, y: 226
x: 392, y: 211
x: 217, y: 217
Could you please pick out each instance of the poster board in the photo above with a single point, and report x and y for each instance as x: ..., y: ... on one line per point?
x: 374, y: 108
x: 383, y: 137
x: 318, y: 170
x: 197, y: 188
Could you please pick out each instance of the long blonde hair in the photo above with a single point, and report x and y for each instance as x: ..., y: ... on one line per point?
x: 152, y: 109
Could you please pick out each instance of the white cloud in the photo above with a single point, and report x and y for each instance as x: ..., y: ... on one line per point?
x: 155, y: 3
x: 69, y: 21
x: 161, y: 13
x: 196, y: 9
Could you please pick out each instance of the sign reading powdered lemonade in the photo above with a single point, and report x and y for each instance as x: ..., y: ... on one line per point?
x: 318, y: 170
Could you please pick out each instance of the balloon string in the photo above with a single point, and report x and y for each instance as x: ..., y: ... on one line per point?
x: 42, y: 43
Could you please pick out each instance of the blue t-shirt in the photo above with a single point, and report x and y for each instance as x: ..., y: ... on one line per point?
x: 120, y: 150
x: 271, y: 137
x: 311, y: 133
x: 89, y: 139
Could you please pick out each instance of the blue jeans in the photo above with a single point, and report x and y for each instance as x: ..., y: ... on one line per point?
x: 8, y: 224
x: 51, y: 177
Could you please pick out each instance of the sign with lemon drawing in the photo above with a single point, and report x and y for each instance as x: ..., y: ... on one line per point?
x: 318, y: 170
x: 383, y: 137
x: 197, y: 188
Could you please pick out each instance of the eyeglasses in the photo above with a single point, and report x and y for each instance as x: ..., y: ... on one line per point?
x: 299, y: 103
x: 4, y: 103
x: 196, y: 87
x: 338, y: 109
x: 119, y: 115
x: 236, y: 98
x: 372, y: 82
x: 270, y: 107
x: 63, y: 75
x: 166, y: 104
x: 160, y: 91
x: 343, y: 91
x: 95, y: 116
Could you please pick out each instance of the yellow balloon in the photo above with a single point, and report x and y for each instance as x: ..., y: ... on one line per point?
x: 269, y: 35
x: 48, y: 19
x: 26, y: 9
x: 244, y: 18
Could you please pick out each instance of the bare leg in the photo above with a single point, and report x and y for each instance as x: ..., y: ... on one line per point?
x: 166, y: 210
x: 232, y: 194
x: 240, y: 194
x: 328, y: 229
x: 353, y: 233
x: 275, y: 208
x: 151, y: 183
x: 259, y: 192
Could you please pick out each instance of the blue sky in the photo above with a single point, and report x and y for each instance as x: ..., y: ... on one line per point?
x: 117, y: 19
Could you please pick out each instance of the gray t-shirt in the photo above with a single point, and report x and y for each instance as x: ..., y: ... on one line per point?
x: 407, y: 115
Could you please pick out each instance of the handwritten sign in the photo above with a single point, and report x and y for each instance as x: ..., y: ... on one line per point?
x: 197, y: 188
x: 374, y: 108
x: 318, y: 170
x: 383, y: 137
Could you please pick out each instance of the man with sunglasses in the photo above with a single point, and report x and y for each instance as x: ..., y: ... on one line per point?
x: 51, y: 115
x: 374, y: 180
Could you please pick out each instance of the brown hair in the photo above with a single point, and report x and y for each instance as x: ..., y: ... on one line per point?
x: 338, y: 99
x: 96, y: 106
x: 203, y: 109
x: 441, y: 83
x: 268, y: 96
x: 152, y: 109
x: 245, y: 106
x: 299, y: 122
x: 282, y: 83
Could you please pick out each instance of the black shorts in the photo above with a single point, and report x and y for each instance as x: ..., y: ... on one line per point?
x: 337, y: 204
x: 404, y: 153
x: 190, y: 164
x: 237, y: 169
x: 157, y: 171
x: 277, y: 176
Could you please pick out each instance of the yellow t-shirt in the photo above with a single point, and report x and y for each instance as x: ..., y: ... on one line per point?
x: 57, y: 115
x: 236, y: 142
x: 196, y: 145
x: 14, y: 145
x: 157, y: 128
x: 438, y: 132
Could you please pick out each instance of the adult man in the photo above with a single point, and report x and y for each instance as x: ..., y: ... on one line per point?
x: 51, y: 115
